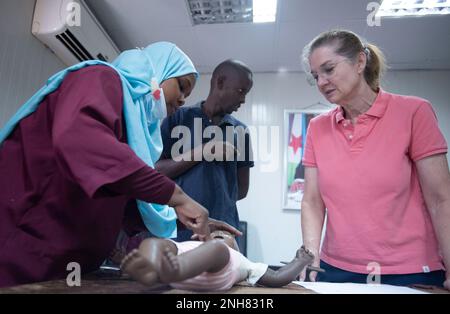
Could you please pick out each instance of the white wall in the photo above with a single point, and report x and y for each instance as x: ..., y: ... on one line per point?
x: 274, y: 233
x: 25, y: 63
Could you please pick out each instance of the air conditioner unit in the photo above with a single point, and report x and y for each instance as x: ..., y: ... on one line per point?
x: 72, y: 32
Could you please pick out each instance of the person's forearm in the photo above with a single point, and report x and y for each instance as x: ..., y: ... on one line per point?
x: 146, y: 184
x: 441, y: 222
x: 312, y: 219
x: 178, y: 197
x: 243, y: 182
x: 243, y: 186
x: 242, y: 195
x: 282, y: 276
x: 175, y: 167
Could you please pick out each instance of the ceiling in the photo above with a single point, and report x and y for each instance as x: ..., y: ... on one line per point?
x: 409, y: 43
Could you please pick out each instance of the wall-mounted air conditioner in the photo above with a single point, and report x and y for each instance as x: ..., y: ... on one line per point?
x: 71, y: 31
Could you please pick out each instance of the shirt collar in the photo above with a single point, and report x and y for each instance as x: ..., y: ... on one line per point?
x: 377, y: 109
x: 227, y: 118
x: 339, y: 114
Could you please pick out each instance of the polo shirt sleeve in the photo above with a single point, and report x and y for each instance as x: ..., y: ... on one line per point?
x: 426, y: 137
x: 309, y: 158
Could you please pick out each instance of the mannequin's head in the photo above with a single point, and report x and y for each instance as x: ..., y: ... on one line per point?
x: 227, y: 237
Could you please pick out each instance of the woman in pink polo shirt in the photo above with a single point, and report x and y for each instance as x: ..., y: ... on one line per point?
x: 378, y: 164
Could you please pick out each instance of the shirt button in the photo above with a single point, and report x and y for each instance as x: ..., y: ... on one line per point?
x: 350, y: 136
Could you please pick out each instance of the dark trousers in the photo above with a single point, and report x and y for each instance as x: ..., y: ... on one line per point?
x: 334, y: 274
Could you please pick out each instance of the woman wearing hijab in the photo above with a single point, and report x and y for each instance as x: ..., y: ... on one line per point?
x: 78, y: 151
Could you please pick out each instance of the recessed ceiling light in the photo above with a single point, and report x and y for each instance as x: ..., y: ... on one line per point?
x: 232, y: 11
x: 264, y: 11
x: 399, y: 8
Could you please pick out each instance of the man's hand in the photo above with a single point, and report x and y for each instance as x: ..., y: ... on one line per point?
x: 219, y: 151
x: 221, y: 225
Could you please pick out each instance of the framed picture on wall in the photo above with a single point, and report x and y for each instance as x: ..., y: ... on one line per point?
x: 296, y: 124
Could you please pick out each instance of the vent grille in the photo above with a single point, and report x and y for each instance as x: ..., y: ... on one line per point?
x: 74, y: 46
x: 221, y: 11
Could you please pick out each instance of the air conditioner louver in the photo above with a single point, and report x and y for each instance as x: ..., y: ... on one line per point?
x: 74, y: 46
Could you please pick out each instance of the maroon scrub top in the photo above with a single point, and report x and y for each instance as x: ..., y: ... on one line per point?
x: 66, y: 175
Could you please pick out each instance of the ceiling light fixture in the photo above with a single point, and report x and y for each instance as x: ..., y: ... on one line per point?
x: 400, y: 8
x: 264, y: 11
x: 232, y: 11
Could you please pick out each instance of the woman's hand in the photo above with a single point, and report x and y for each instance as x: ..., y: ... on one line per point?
x: 191, y: 214
x: 312, y: 273
x: 447, y: 281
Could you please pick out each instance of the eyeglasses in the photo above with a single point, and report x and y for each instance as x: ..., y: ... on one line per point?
x: 326, y: 71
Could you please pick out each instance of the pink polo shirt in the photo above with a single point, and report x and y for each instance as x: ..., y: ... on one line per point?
x: 368, y: 181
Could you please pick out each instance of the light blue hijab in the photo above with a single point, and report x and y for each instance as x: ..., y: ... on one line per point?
x: 137, y: 67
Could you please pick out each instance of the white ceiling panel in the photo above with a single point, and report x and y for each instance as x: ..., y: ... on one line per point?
x: 292, y: 37
x: 308, y: 10
x: 252, y: 44
x: 412, y: 43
